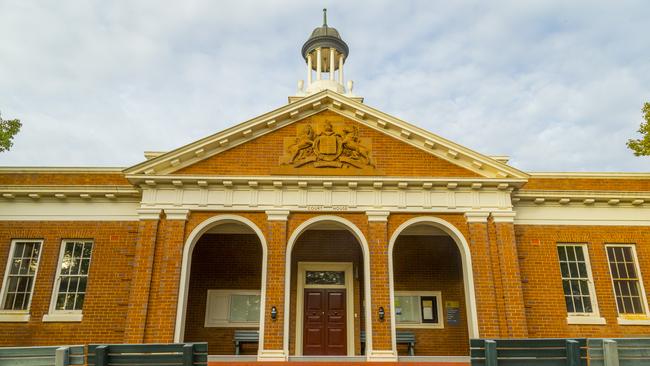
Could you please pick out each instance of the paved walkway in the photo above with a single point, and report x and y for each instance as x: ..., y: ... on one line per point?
x: 338, y: 363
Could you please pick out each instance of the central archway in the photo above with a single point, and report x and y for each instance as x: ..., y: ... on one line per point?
x: 341, y: 224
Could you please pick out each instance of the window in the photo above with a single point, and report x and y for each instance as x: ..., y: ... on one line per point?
x: 20, y: 274
x: 579, y: 293
x: 628, y: 287
x: 71, y: 281
x: 418, y: 309
x: 324, y: 277
x: 232, y: 308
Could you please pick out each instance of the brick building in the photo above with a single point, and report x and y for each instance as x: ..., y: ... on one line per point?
x: 330, y: 227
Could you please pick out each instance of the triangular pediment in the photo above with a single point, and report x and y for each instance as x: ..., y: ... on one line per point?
x: 360, y: 141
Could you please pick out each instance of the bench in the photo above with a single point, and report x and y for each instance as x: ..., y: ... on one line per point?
x: 402, y: 337
x: 245, y: 336
x: 172, y: 354
x: 55, y: 355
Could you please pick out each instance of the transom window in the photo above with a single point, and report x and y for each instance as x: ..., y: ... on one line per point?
x: 72, y: 279
x: 626, y: 279
x: 325, y: 278
x: 20, y: 274
x: 576, y: 279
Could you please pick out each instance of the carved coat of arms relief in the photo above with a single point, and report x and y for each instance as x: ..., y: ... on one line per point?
x: 328, y: 145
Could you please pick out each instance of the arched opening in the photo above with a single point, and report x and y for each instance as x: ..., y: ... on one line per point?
x: 432, y: 291
x: 328, y: 297
x: 222, y: 285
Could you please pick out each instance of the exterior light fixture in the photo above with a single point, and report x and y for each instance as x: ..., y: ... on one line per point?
x: 274, y: 313
x: 382, y: 313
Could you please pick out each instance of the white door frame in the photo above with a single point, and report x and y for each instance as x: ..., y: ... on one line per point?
x: 365, y: 249
x: 303, y: 267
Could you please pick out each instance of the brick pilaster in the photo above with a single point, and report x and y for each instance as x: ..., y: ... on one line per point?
x: 382, y: 342
x: 163, y: 298
x: 486, y: 293
x: 141, y: 279
x: 276, y: 236
x: 513, y: 297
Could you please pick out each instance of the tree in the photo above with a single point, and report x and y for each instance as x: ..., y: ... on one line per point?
x: 8, y: 129
x: 642, y: 146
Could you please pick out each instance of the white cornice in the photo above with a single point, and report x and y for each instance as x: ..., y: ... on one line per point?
x: 593, y: 175
x: 566, y: 198
x: 304, y: 181
x: 326, y: 100
x: 58, y: 170
x: 117, y: 193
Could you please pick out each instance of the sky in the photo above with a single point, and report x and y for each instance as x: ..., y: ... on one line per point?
x: 556, y: 85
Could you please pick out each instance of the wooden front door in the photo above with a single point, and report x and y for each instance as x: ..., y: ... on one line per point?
x: 325, y: 332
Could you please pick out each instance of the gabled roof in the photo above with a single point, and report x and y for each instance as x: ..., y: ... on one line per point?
x: 212, y: 145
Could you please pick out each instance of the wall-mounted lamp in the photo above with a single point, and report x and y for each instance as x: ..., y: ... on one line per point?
x: 382, y: 313
x: 274, y: 313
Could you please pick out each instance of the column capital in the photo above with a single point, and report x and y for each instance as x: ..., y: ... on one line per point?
x: 277, y: 215
x: 476, y: 216
x: 177, y: 213
x: 149, y: 213
x: 504, y: 217
x: 377, y: 216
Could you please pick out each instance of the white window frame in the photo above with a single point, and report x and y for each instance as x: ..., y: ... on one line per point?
x: 583, y: 318
x: 18, y: 315
x: 630, y: 319
x: 53, y: 314
x: 227, y: 323
x: 441, y: 321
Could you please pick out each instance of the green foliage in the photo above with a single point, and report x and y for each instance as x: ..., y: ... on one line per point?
x: 8, y: 129
x: 642, y: 146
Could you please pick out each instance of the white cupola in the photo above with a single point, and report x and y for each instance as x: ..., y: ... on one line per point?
x: 325, y: 53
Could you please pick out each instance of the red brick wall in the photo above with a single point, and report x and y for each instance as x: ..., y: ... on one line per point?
x: 542, y: 282
x: 432, y: 263
x: 221, y: 261
x: 109, y: 280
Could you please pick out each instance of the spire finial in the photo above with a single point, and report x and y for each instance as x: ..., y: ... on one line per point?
x: 324, y: 17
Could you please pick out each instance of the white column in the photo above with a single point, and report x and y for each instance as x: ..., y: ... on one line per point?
x: 332, y: 59
x: 341, y: 69
x: 308, y: 70
x: 319, y: 63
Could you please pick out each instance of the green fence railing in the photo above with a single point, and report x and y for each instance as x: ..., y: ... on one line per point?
x: 174, y: 354
x: 560, y: 352
x: 37, y: 356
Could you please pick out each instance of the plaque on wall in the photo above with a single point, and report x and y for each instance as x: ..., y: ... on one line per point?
x: 452, y: 309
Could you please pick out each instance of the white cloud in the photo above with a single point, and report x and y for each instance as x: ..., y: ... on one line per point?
x: 557, y: 85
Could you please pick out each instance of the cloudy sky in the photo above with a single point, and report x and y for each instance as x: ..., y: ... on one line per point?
x: 556, y: 85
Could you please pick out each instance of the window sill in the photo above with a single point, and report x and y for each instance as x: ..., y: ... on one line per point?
x: 420, y: 326
x: 14, y: 316
x: 71, y: 317
x: 593, y: 320
x: 633, y: 321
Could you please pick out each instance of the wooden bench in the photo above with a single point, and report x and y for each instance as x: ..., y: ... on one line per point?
x: 57, y: 356
x: 245, y: 336
x: 402, y: 337
x: 173, y: 354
